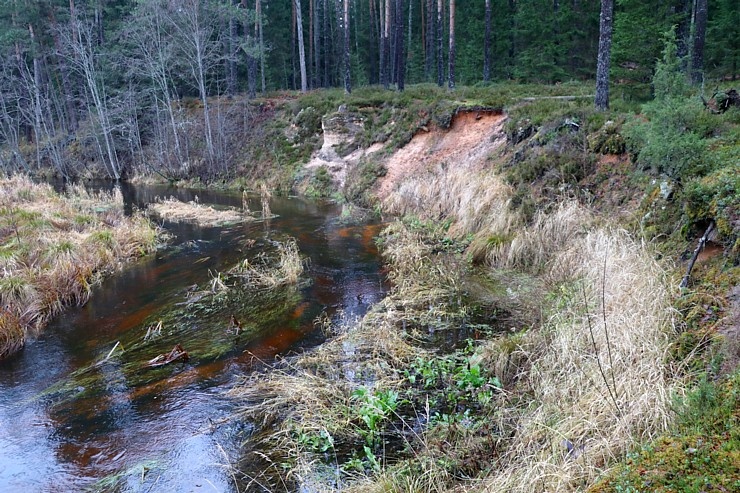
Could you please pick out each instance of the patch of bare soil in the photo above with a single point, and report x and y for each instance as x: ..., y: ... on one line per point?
x: 470, y: 139
x: 174, y: 210
x: 341, y: 128
x: 613, y: 193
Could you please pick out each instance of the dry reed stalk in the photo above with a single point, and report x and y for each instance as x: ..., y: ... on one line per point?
x: 571, y: 405
x: 265, y: 196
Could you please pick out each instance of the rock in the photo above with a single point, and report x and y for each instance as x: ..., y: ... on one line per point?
x: 666, y: 189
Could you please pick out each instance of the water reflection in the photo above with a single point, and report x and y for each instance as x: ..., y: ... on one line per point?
x: 68, y: 421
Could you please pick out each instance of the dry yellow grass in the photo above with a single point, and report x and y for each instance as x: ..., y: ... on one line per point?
x: 53, y: 248
x: 264, y: 274
x: 595, y: 370
x: 203, y: 215
x: 477, y: 201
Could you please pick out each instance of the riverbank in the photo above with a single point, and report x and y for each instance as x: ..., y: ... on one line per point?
x: 535, y: 335
x: 55, y: 247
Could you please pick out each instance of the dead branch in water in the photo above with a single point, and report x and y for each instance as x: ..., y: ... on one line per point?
x: 177, y: 353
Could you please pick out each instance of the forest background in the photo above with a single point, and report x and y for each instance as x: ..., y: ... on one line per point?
x: 108, y: 85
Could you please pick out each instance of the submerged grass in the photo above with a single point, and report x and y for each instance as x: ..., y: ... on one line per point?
x: 54, y: 248
x: 270, y: 273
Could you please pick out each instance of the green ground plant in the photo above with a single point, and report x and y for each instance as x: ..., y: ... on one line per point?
x: 701, y: 453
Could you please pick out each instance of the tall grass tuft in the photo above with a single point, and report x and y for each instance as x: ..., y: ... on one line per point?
x: 54, y: 248
x: 475, y: 200
x: 611, y: 327
x: 269, y: 273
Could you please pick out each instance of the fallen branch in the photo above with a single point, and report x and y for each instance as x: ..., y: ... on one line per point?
x: 177, y: 353
x: 564, y: 98
x: 702, y: 242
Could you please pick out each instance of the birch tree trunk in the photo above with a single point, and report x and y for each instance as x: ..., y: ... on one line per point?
x: 261, y: 46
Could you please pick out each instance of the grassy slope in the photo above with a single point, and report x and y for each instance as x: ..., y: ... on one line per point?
x: 556, y: 405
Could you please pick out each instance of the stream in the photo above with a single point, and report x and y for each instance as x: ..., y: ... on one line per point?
x: 72, y: 420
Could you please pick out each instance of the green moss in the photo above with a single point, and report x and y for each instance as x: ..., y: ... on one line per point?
x: 320, y: 184
x: 701, y: 454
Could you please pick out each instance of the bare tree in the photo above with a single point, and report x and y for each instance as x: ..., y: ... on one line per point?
x: 153, y: 59
x: 195, y: 38
x: 81, y: 52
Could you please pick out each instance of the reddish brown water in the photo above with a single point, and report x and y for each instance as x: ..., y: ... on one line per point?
x: 67, y: 424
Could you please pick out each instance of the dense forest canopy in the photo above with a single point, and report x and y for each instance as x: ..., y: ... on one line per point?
x: 111, y: 71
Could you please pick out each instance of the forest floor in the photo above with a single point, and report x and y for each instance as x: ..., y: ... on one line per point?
x: 535, y: 338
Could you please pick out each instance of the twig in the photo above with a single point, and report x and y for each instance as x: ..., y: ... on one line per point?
x: 118, y: 343
x: 702, y: 242
x: 606, y: 327
x: 596, y: 351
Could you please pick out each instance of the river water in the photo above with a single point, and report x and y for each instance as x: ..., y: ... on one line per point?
x: 72, y: 420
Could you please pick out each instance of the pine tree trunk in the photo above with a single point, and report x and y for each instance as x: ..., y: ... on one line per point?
x: 311, y: 44
x: 400, y: 58
x: 429, y: 40
x: 487, y: 44
x: 385, y: 46
x: 451, y: 54
x: 301, y: 48
x: 606, y: 22
x: 440, y: 45
x: 317, y: 44
x: 325, y: 43
x: 345, y: 51
x: 374, y: 74
x: 697, y: 45
x: 293, y: 44
x: 683, y: 30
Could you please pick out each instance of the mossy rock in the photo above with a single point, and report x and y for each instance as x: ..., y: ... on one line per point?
x: 607, y: 140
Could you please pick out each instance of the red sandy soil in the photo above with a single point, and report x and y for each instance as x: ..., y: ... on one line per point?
x: 470, y: 138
